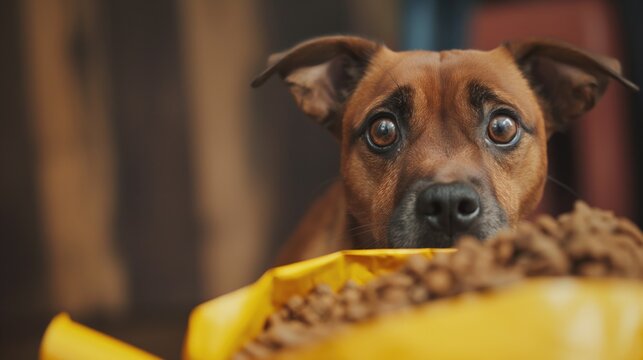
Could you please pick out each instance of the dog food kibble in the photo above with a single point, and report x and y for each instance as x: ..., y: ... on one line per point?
x: 586, y: 242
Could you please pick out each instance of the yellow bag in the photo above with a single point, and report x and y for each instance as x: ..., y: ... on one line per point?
x: 67, y: 340
x: 557, y: 318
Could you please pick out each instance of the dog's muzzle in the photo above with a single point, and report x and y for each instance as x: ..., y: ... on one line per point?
x: 436, y: 214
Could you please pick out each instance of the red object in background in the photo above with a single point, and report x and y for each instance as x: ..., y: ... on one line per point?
x: 602, y: 152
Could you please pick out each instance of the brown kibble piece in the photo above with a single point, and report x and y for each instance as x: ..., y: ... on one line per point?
x: 290, y: 334
x: 350, y: 295
x: 418, y: 294
x: 438, y: 282
x: 417, y: 264
x: 323, y: 289
x: 309, y: 316
x: 594, y: 269
x: 398, y: 280
x: 395, y: 295
x: 356, y: 312
x: 295, y: 303
x: 275, y: 319
x: 350, y: 284
x: 337, y: 313
x: 440, y: 260
x: 628, y: 228
x: 503, y: 248
x: 548, y: 257
x: 549, y: 226
x: 254, y: 350
x: 322, y: 305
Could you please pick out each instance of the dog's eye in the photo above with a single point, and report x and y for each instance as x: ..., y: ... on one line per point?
x: 502, y: 129
x: 383, y: 132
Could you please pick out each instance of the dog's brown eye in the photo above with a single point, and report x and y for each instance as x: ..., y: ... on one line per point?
x: 502, y: 129
x: 383, y: 132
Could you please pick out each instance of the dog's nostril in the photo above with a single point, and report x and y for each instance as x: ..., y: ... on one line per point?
x: 434, y: 208
x: 467, y: 206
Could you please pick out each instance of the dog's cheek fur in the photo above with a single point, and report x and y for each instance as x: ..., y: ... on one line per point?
x: 358, y: 191
x: 518, y: 179
x: 404, y: 229
x: 537, y: 177
x: 383, y: 204
x: 370, y: 183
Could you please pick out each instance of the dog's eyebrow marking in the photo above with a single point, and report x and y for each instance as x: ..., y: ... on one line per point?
x: 399, y: 102
x: 480, y: 94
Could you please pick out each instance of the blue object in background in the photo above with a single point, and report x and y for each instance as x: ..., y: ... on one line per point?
x: 435, y: 25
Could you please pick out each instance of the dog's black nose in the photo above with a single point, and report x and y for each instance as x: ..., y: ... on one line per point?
x: 450, y: 208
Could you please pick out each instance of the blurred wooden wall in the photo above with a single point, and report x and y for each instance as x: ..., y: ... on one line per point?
x: 69, y: 119
x: 219, y: 53
x: 23, y: 294
x: 140, y: 173
x: 129, y: 195
x: 155, y: 217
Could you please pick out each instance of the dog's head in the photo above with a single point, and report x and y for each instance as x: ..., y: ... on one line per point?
x: 438, y: 144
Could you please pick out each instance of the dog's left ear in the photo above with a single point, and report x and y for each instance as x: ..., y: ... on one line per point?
x: 321, y: 73
x: 568, y: 80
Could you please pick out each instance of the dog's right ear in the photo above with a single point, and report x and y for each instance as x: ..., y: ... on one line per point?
x: 567, y: 79
x: 321, y: 74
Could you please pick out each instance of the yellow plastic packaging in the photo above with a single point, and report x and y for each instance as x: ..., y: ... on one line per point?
x: 561, y: 318
x: 65, y: 339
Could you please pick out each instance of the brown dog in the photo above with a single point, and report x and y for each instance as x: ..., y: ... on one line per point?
x: 433, y: 144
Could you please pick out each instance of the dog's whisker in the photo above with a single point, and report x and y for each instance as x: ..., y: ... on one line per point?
x: 368, y: 228
x: 365, y: 230
x: 392, y: 222
x: 371, y: 243
x: 563, y: 186
x: 361, y: 227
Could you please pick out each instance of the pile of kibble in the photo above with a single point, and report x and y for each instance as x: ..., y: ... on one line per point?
x: 587, y: 242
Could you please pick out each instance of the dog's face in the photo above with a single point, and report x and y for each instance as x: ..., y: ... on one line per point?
x: 440, y: 144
